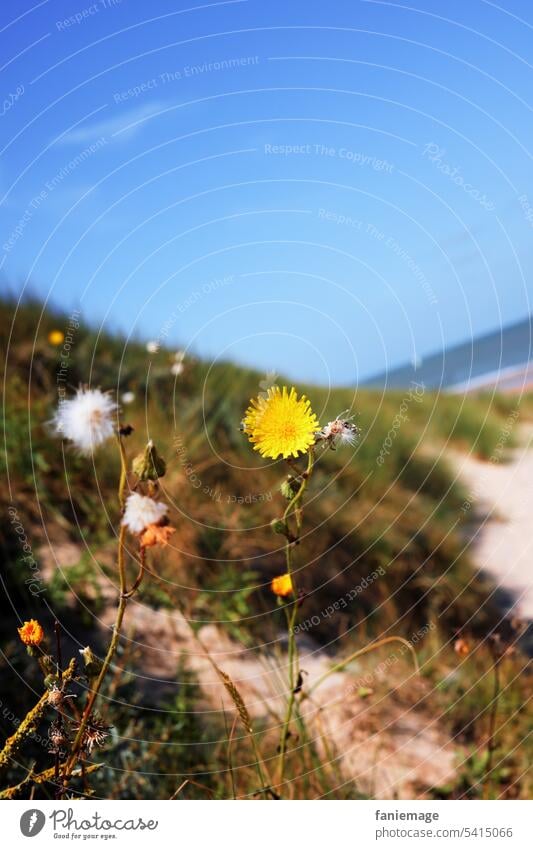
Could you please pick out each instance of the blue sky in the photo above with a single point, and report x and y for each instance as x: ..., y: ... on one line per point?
x: 321, y: 189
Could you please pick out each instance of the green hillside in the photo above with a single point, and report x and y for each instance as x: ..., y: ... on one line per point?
x: 390, y: 507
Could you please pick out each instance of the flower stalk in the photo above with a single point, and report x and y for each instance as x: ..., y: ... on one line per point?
x: 121, y: 610
x: 294, y: 511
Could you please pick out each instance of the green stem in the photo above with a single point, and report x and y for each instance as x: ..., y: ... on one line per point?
x: 294, y: 506
x: 339, y: 666
x: 491, y: 742
x: 123, y: 601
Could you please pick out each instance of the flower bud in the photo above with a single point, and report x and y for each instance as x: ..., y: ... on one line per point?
x: 289, y: 487
x: 280, y: 527
x: 149, y: 466
x: 92, y: 664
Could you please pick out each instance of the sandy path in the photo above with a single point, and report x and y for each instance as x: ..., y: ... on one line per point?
x: 503, y: 545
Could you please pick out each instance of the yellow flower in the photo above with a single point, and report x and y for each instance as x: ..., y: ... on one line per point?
x: 31, y: 633
x: 282, y: 585
x: 56, y: 337
x: 280, y: 423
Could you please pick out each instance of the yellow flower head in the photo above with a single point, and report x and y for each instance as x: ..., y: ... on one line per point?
x: 56, y: 337
x: 31, y: 633
x: 280, y: 423
x: 282, y: 585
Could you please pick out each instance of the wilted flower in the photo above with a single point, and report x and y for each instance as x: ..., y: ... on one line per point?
x: 282, y: 585
x: 340, y: 432
x: 56, y: 337
x: 87, y: 419
x: 31, y: 633
x: 56, y: 696
x: 57, y: 737
x: 280, y: 423
x: 95, y: 734
x: 156, y: 535
x: 461, y: 647
x: 142, y: 511
x: 127, y: 397
x: 152, y: 347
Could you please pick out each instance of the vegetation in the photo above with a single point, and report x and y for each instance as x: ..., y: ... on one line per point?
x: 389, y: 507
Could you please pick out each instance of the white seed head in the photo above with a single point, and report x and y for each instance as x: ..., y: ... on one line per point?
x: 86, y: 419
x: 340, y: 432
x: 127, y: 397
x: 142, y: 511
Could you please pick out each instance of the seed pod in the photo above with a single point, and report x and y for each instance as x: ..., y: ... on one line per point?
x: 280, y: 527
x: 149, y: 465
x: 55, y: 697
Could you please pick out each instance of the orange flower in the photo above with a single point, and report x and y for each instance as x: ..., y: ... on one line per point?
x: 156, y: 535
x: 461, y: 647
x: 282, y: 585
x: 31, y: 633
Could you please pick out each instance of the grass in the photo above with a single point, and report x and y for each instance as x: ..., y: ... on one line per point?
x: 401, y: 516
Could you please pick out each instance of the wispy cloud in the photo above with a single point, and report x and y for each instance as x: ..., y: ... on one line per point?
x: 123, y: 125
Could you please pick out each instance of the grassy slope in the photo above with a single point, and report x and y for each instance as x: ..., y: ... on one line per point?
x: 403, y: 515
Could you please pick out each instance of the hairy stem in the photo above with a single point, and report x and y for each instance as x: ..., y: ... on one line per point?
x: 123, y: 601
x: 293, y: 508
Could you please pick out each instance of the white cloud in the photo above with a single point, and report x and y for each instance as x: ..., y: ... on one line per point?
x: 126, y: 124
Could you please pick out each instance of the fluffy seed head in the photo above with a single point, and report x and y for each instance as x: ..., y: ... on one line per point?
x: 86, y: 419
x: 340, y: 432
x: 142, y: 511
